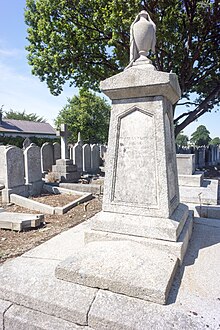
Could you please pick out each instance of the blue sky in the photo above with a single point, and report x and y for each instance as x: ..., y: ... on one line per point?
x: 20, y: 90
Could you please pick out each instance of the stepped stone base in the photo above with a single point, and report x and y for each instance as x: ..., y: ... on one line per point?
x: 177, y: 248
x: 65, y: 171
x: 119, y: 260
x: 123, y: 267
x: 150, y: 227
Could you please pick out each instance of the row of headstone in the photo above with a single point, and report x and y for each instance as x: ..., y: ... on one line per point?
x: 88, y: 158
x: 20, y: 170
x: 204, y: 156
x: 49, y: 153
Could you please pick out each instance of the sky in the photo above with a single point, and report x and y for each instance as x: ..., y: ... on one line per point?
x: 20, y: 90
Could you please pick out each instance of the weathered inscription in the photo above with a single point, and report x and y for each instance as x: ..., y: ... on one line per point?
x: 135, y: 177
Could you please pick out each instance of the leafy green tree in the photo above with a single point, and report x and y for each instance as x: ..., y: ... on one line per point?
x: 201, y: 136
x: 215, y: 141
x: 182, y: 140
x: 87, y: 41
x: 88, y: 114
x: 11, y: 114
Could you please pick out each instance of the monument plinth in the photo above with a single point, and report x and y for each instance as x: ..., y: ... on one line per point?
x: 143, y: 230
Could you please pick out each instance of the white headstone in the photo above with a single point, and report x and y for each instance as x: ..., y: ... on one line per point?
x: 86, y: 158
x: 78, y: 156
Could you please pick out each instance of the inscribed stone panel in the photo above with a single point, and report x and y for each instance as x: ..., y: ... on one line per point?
x: 135, y: 160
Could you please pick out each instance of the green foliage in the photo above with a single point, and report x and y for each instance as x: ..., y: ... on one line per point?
x: 182, y: 140
x: 215, y: 141
x: 88, y: 114
x: 18, y: 140
x: 11, y: 114
x: 87, y: 41
x: 201, y: 136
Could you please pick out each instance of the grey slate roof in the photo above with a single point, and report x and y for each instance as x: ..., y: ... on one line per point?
x: 24, y: 126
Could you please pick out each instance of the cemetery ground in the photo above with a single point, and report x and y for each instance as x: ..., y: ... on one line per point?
x: 14, y: 243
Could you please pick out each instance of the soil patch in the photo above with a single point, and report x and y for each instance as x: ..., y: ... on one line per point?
x: 13, y: 244
x: 55, y: 199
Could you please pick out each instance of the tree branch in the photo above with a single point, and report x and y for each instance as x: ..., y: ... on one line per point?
x: 199, y: 111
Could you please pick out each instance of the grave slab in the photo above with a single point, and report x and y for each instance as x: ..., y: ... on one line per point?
x: 32, y: 283
x: 124, y: 267
x: 4, y: 305
x: 206, y: 194
x: 116, y: 312
x: 192, y: 304
x: 205, y: 211
x: 194, y: 180
x: 22, y: 318
x: 20, y: 221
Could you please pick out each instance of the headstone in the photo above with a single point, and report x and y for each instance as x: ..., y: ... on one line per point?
x: 14, y: 168
x: 86, y: 158
x: 27, y: 142
x: 46, y: 157
x: 56, y: 151
x: 95, y: 158
x: 78, y: 156
x: 201, y: 157
x: 63, y: 133
x: 32, y: 162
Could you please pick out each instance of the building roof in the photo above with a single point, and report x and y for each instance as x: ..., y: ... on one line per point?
x: 24, y: 126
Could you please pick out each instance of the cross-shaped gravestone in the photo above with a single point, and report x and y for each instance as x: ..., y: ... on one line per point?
x: 63, y: 133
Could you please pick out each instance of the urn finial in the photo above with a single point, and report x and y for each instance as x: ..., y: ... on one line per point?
x: 142, y: 39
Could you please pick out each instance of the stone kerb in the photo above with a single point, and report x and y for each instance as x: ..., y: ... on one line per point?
x: 86, y: 158
x: 46, y: 157
x: 77, y: 153
x: 56, y: 151
x: 14, y: 169
x: 32, y: 163
x: 95, y: 158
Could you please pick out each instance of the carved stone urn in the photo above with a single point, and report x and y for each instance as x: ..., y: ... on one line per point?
x: 143, y: 31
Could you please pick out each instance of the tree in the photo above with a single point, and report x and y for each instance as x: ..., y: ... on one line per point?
x: 87, y: 41
x: 201, y: 136
x: 11, y: 114
x: 182, y: 140
x: 88, y: 114
x: 215, y: 141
